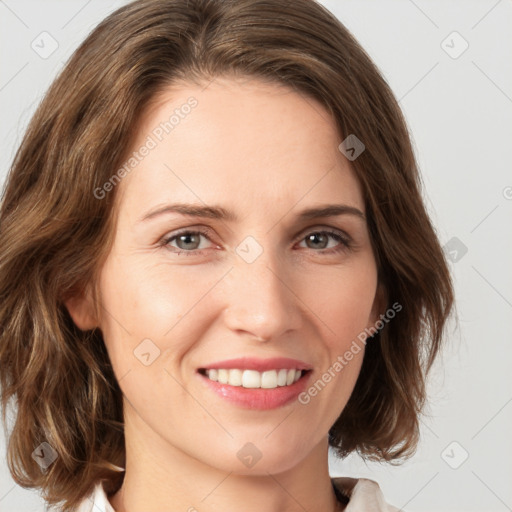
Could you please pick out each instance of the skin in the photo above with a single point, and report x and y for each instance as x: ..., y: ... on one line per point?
x: 265, y: 152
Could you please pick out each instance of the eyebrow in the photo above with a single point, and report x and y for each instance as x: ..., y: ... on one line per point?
x: 218, y: 212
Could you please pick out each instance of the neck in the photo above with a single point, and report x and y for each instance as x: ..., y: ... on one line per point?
x: 159, y: 476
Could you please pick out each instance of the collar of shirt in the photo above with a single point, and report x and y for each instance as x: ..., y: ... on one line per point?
x: 364, y: 495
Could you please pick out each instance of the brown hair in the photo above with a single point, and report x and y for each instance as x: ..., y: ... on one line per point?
x: 56, y: 233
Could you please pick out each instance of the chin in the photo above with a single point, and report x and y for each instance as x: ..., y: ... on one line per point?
x: 258, y: 458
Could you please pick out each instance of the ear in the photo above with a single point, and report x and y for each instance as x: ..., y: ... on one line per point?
x: 81, y: 309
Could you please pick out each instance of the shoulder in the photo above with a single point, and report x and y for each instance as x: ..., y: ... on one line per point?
x: 97, y: 501
x: 364, y: 495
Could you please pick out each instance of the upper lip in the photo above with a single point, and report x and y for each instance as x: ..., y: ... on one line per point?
x: 261, y: 365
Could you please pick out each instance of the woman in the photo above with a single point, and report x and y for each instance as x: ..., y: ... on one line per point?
x: 172, y: 335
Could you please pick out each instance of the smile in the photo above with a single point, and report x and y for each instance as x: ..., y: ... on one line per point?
x: 253, y: 379
x: 255, y: 383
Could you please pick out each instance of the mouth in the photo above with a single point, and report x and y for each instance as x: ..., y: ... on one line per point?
x: 257, y: 384
x: 253, y: 379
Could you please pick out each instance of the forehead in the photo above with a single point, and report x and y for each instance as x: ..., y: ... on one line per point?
x: 239, y: 140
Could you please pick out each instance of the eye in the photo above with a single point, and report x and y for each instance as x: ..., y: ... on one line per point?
x: 320, y: 240
x: 188, y: 241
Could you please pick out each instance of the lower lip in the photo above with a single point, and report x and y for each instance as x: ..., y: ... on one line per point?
x: 258, y: 398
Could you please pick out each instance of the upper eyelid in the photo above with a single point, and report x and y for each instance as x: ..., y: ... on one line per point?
x: 206, y: 232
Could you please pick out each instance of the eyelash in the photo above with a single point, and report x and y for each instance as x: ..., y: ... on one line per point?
x: 345, y: 242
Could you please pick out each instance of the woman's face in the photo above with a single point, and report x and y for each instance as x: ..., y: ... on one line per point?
x: 250, y: 284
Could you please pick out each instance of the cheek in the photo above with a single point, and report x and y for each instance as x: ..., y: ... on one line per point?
x: 341, y: 300
x: 143, y: 302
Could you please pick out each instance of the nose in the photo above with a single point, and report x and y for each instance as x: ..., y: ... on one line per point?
x: 260, y: 300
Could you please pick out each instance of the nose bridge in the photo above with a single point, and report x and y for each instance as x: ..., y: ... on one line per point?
x: 260, y: 297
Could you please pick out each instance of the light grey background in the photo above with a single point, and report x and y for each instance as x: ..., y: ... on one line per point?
x: 459, y: 109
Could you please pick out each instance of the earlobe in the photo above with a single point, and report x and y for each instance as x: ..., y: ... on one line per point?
x: 81, y: 309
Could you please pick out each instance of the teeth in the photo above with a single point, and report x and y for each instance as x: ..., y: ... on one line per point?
x: 223, y: 376
x: 269, y: 379
x: 281, y: 377
x: 252, y: 379
x: 235, y: 377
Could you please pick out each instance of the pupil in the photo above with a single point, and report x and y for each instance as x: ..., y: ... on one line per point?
x: 317, y: 235
x: 184, y: 238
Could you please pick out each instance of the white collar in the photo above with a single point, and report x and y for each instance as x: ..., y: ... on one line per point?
x: 97, y: 501
x: 365, y: 496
